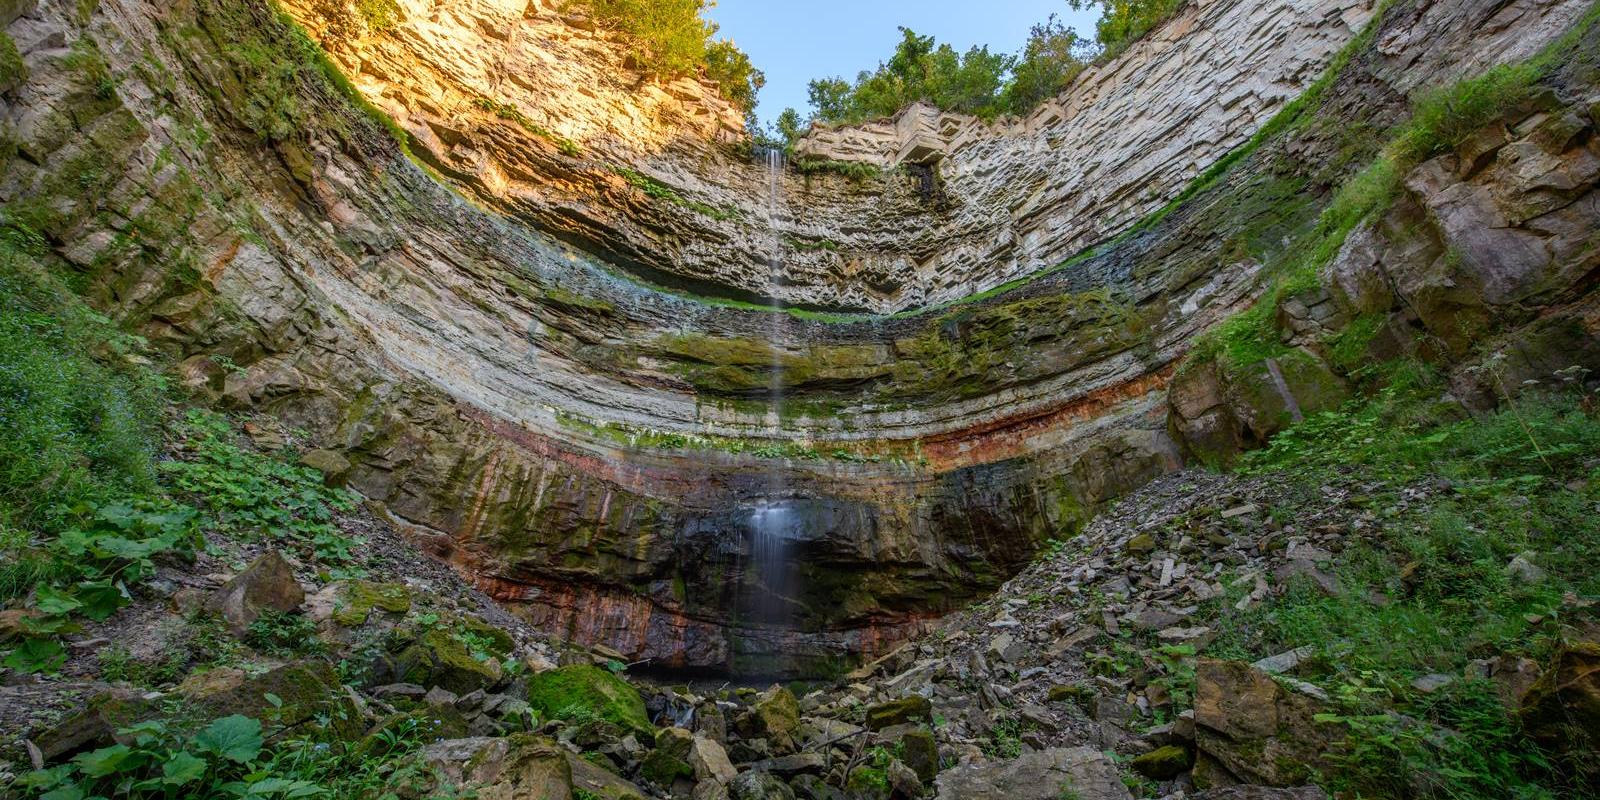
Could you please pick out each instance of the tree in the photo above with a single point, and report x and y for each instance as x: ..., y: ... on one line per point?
x: 739, y: 80
x: 920, y: 69
x: 790, y: 125
x: 830, y: 97
x: 1053, y: 56
x: 1123, y: 22
x: 671, y: 38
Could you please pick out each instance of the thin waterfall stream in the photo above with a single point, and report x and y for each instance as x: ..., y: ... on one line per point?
x: 774, y: 523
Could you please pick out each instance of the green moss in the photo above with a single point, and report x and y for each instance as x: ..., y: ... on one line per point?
x: 573, y: 301
x: 12, y: 71
x: 660, y: 191
x: 581, y: 691
x: 858, y: 171
x: 439, y: 657
x: 362, y: 597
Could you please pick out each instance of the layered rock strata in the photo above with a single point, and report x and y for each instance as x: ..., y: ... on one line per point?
x: 601, y: 452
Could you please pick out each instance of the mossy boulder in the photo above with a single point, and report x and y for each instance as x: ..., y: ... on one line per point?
x: 440, y: 657
x: 583, y: 691
x: 358, y: 599
x: 774, y: 716
x: 1163, y: 763
x: 915, y: 708
x: 919, y: 751
x: 669, y: 761
x: 94, y: 725
x: 293, y: 694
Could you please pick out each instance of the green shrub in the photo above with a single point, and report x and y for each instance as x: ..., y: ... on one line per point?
x: 280, y: 633
x: 976, y: 82
x: 738, y: 80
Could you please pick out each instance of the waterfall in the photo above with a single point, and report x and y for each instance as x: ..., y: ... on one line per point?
x: 774, y: 524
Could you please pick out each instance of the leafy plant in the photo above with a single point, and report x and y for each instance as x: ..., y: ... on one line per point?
x: 248, y: 493
x: 282, y: 633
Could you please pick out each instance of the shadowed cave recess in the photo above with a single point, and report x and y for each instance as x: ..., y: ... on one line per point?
x: 661, y: 392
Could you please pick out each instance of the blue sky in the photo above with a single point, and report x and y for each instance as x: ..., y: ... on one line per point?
x: 796, y: 42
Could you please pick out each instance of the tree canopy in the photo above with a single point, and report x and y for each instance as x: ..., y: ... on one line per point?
x: 672, y: 38
x: 979, y: 82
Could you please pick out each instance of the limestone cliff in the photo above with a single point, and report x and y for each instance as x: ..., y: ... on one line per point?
x: 498, y: 340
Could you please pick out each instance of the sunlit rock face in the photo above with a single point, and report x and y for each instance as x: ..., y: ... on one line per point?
x: 610, y: 455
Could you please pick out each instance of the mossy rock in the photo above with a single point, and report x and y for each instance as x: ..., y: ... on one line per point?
x: 1143, y: 544
x: 434, y: 724
x: 669, y: 761
x: 1163, y: 763
x: 1071, y: 692
x: 500, y: 642
x: 868, y: 783
x: 776, y: 717
x: 582, y: 691
x: 361, y: 598
x: 898, y: 712
x: 94, y: 725
x: 439, y: 658
x: 293, y: 694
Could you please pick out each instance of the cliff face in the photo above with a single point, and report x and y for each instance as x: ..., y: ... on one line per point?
x: 610, y: 455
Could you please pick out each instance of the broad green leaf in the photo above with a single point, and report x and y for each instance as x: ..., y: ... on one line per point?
x: 37, y: 655
x: 182, y: 768
x: 107, y: 761
x: 276, y: 701
x: 51, y: 600
x: 101, y: 599
x: 236, y: 738
x: 270, y: 786
x: 64, y: 793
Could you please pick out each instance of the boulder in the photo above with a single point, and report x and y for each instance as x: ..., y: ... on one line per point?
x: 1081, y: 772
x: 587, y: 690
x: 1254, y: 728
x: 1561, y: 710
x: 774, y: 716
x: 1163, y: 763
x: 515, y: 768
x: 294, y: 694
x: 93, y: 726
x: 596, y: 782
x: 1264, y: 793
x: 439, y: 658
x: 331, y: 463
x: 355, y: 601
x: 668, y: 763
x: 759, y: 786
x: 914, y: 708
x: 920, y: 751
x: 267, y: 584
x: 710, y: 761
